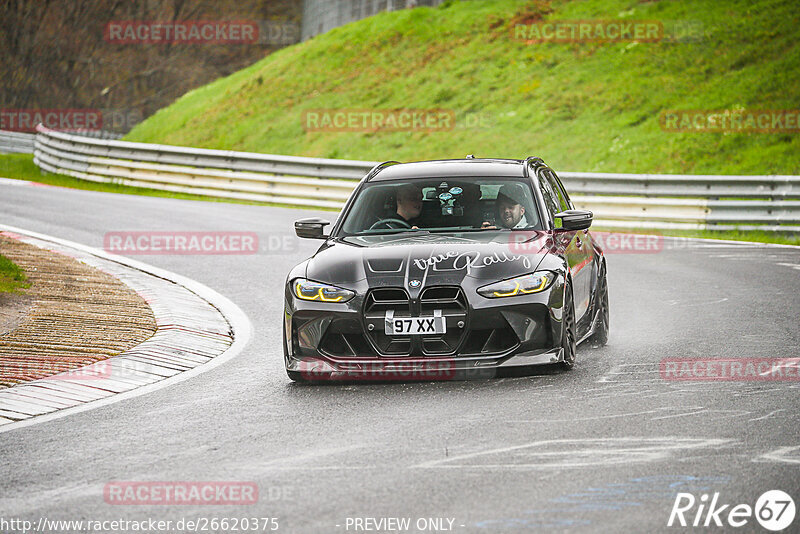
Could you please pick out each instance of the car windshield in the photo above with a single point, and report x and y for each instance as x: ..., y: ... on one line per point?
x: 442, y: 205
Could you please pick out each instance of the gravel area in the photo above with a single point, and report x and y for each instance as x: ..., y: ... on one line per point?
x: 71, y: 316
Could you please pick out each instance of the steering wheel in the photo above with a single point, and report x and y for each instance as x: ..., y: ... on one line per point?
x: 402, y: 223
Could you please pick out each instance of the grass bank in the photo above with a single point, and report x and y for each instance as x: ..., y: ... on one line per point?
x: 587, y: 106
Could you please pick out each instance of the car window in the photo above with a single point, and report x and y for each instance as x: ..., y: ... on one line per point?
x: 563, y: 203
x: 551, y: 201
x: 437, y: 204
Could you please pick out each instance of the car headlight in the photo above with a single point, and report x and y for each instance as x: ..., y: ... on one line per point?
x: 521, y: 285
x: 308, y: 290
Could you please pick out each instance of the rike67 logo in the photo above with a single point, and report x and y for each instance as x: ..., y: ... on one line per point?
x: 774, y: 511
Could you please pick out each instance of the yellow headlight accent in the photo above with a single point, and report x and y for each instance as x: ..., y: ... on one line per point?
x: 319, y: 295
x: 517, y: 290
x: 510, y: 293
x: 322, y: 297
x: 541, y: 286
x: 297, y: 292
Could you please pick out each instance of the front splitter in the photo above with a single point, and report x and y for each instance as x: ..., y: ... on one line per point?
x: 409, y: 369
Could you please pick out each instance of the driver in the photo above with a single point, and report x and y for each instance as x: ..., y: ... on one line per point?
x: 409, y: 203
x: 409, y: 208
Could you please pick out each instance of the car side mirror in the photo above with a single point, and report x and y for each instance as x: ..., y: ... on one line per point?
x: 311, y: 228
x: 573, y: 220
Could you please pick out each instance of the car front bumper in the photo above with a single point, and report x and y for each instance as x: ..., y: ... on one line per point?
x: 329, y: 341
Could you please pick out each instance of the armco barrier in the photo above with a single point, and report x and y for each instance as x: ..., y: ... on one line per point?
x: 16, y: 142
x: 770, y: 203
x: 23, y: 143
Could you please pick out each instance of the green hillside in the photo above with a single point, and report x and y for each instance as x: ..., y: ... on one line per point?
x: 587, y: 106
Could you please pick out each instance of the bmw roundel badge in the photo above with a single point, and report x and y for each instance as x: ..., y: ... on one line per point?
x: 414, y: 283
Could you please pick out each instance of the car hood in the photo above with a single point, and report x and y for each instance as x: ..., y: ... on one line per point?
x: 432, y: 259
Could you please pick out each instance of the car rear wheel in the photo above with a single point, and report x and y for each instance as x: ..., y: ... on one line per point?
x: 568, y: 342
x: 600, y: 336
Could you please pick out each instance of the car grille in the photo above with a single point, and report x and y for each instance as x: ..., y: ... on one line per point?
x: 449, y: 299
x: 453, y: 303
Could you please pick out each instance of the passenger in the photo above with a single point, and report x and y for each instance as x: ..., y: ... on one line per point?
x: 510, y: 211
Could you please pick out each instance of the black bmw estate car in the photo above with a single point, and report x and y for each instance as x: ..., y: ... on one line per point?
x: 446, y: 269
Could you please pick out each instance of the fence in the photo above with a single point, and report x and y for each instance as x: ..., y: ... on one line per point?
x: 319, y: 16
x: 770, y: 203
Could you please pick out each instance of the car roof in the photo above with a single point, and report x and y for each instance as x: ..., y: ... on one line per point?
x: 451, y: 168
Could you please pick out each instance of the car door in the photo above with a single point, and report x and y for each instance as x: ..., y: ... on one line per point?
x: 574, y: 252
x: 586, y: 262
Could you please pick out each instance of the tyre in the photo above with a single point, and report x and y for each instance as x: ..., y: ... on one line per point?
x: 568, y: 341
x: 600, y: 336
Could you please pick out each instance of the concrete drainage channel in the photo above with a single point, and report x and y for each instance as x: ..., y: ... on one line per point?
x: 197, y: 329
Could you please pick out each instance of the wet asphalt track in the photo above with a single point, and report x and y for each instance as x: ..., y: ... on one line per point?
x: 603, y: 448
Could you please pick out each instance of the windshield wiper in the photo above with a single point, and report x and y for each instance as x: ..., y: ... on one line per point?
x: 453, y: 229
x: 398, y: 231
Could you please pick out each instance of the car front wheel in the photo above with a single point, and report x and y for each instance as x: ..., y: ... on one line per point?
x: 568, y: 342
x: 600, y: 336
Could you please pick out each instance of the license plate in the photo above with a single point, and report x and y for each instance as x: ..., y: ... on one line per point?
x: 405, y: 326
